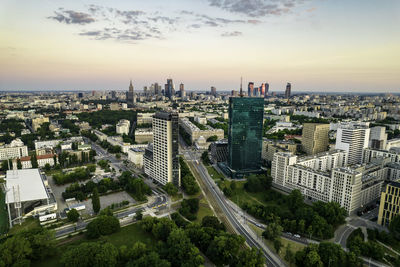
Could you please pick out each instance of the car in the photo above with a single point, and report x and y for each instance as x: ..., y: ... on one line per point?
x: 288, y: 233
x: 297, y: 236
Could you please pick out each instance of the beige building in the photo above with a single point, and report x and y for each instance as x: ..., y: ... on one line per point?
x: 143, y: 135
x: 315, y: 138
x: 37, y: 122
x: 270, y: 147
x: 195, y: 133
x: 390, y: 203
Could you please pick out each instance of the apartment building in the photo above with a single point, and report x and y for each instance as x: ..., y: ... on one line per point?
x: 123, y: 127
x: 15, y: 149
x: 325, y: 177
x: 390, y: 203
x: 161, y: 160
x: 353, y: 137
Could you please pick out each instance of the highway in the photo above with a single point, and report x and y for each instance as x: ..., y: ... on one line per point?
x: 272, y: 259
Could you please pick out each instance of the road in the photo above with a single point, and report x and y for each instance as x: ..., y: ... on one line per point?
x: 272, y: 259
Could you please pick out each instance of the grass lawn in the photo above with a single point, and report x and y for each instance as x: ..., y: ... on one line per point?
x: 285, y: 242
x: 214, y: 173
x: 204, y: 210
x: 128, y: 236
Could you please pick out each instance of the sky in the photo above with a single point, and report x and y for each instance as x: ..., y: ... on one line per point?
x: 317, y: 45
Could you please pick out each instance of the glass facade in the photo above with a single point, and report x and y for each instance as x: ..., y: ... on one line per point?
x: 245, y: 133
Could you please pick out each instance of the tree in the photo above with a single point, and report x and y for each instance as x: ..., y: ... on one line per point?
x: 171, y: 189
x: 289, y: 255
x: 331, y: 254
x: 139, y: 215
x: 34, y: 161
x: 277, y: 245
x: 227, y: 192
x: 180, y: 251
x: 14, y: 250
x: 249, y: 257
x: 272, y: 231
x: 223, y: 250
x: 90, y: 254
x: 102, y: 225
x: 394, y: 227
x: 163, y: 228
x: 213, y: 222
x: 96, y: 200
x: 4, y: 165
x: 19, y: 164
x: 73, y: 215
x: 47, y: 167
x: 212, y: 138
x: 233, y: 186
x: 295, y: 200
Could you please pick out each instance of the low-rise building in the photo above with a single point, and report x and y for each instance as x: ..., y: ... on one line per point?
x: 219, y: 151
x: 123, y: 127
x: 135, y: 155
x: 143, y: 135
x: 195, y: 133
x: 37, y: 122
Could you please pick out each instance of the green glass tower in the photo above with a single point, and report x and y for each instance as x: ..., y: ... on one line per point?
x: 245, y: 135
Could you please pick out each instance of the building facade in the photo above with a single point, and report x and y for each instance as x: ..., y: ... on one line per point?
x: 353, y: 138
x: 315, y: 138
x: 15, y: 149
x: 245, y: 135
x: 161, y: 160
x: 389, y: 206
x: 123, y: 127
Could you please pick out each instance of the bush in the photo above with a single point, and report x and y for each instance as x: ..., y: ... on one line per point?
x: 73, y: 215
x: 102, y: 225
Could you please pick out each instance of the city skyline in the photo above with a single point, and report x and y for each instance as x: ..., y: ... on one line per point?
x: 99, y: 45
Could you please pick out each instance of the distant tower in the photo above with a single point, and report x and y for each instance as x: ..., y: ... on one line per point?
x: 130, y: 94
x: 262, y: 89
x: 182, y: 90
x: 241, y: 87
x: 266, y: 88
x: 288, y: 91
x: 250, y: 89
x: 169, y: 88
x: 213, y: 91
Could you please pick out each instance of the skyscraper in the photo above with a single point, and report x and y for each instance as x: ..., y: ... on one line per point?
x: 288, y: 91
x: 213, y: 91
x: 182, y: 90
x: 250, y: 89
x: 266, y: 89
x: 262, y: 89
x: 169, y: 88
x: 315, y: 138
x: 245, y: 135
x: 130, y: 94
x: 352, y: 137
x: 161, y: 160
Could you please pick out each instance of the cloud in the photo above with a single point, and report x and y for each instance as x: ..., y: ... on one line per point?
x: 231, y: 34
x: 256, y: 8
x: 122, y: 35
x: 72, y: 17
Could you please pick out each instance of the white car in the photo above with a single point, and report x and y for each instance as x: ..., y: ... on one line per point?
x: 297, y: 236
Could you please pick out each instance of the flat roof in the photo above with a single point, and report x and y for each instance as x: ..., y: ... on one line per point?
x: 30, y: 183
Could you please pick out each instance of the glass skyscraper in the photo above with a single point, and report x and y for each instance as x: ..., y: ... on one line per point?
x: 245, y: 135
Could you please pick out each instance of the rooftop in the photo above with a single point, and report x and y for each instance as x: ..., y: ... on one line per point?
x: 29, y: 182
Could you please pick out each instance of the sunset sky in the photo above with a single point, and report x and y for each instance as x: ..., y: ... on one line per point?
x: 321, y: 45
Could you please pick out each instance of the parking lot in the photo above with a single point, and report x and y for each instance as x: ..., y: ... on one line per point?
x: 108, y: 200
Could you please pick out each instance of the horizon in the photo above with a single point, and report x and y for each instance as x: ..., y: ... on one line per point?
x: 99, y: 45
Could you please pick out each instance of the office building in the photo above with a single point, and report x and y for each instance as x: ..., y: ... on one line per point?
x: 182, y: 90
x: 378, y: 137
x: 288, y: 90
x: 315, y: 138
x: 213, y: 91
x: 16, y: 149
x: 262, y: 89
x: 169, y: 88
x: 161, y: 160
x: 250, y: 89
x: 389, y: 206
x: 353, y: 137
x: 234, y: 93
x: 130, y: 95
x: 325, y: 177
x: 266, y: 89
x: 245, y: 135
x: 123, y: 127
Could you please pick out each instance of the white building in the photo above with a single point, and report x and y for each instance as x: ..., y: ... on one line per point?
x: 42, y: 160
x: 352, y: 137
x: 15, y: 149
x: 195, y: 133
x: 392, y: 143
x: 378, y: 137
x: 324, y: 177
x: 161, y: 160
x: 135, y: 155
x: 123, y: 127
x: 28, y: 194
